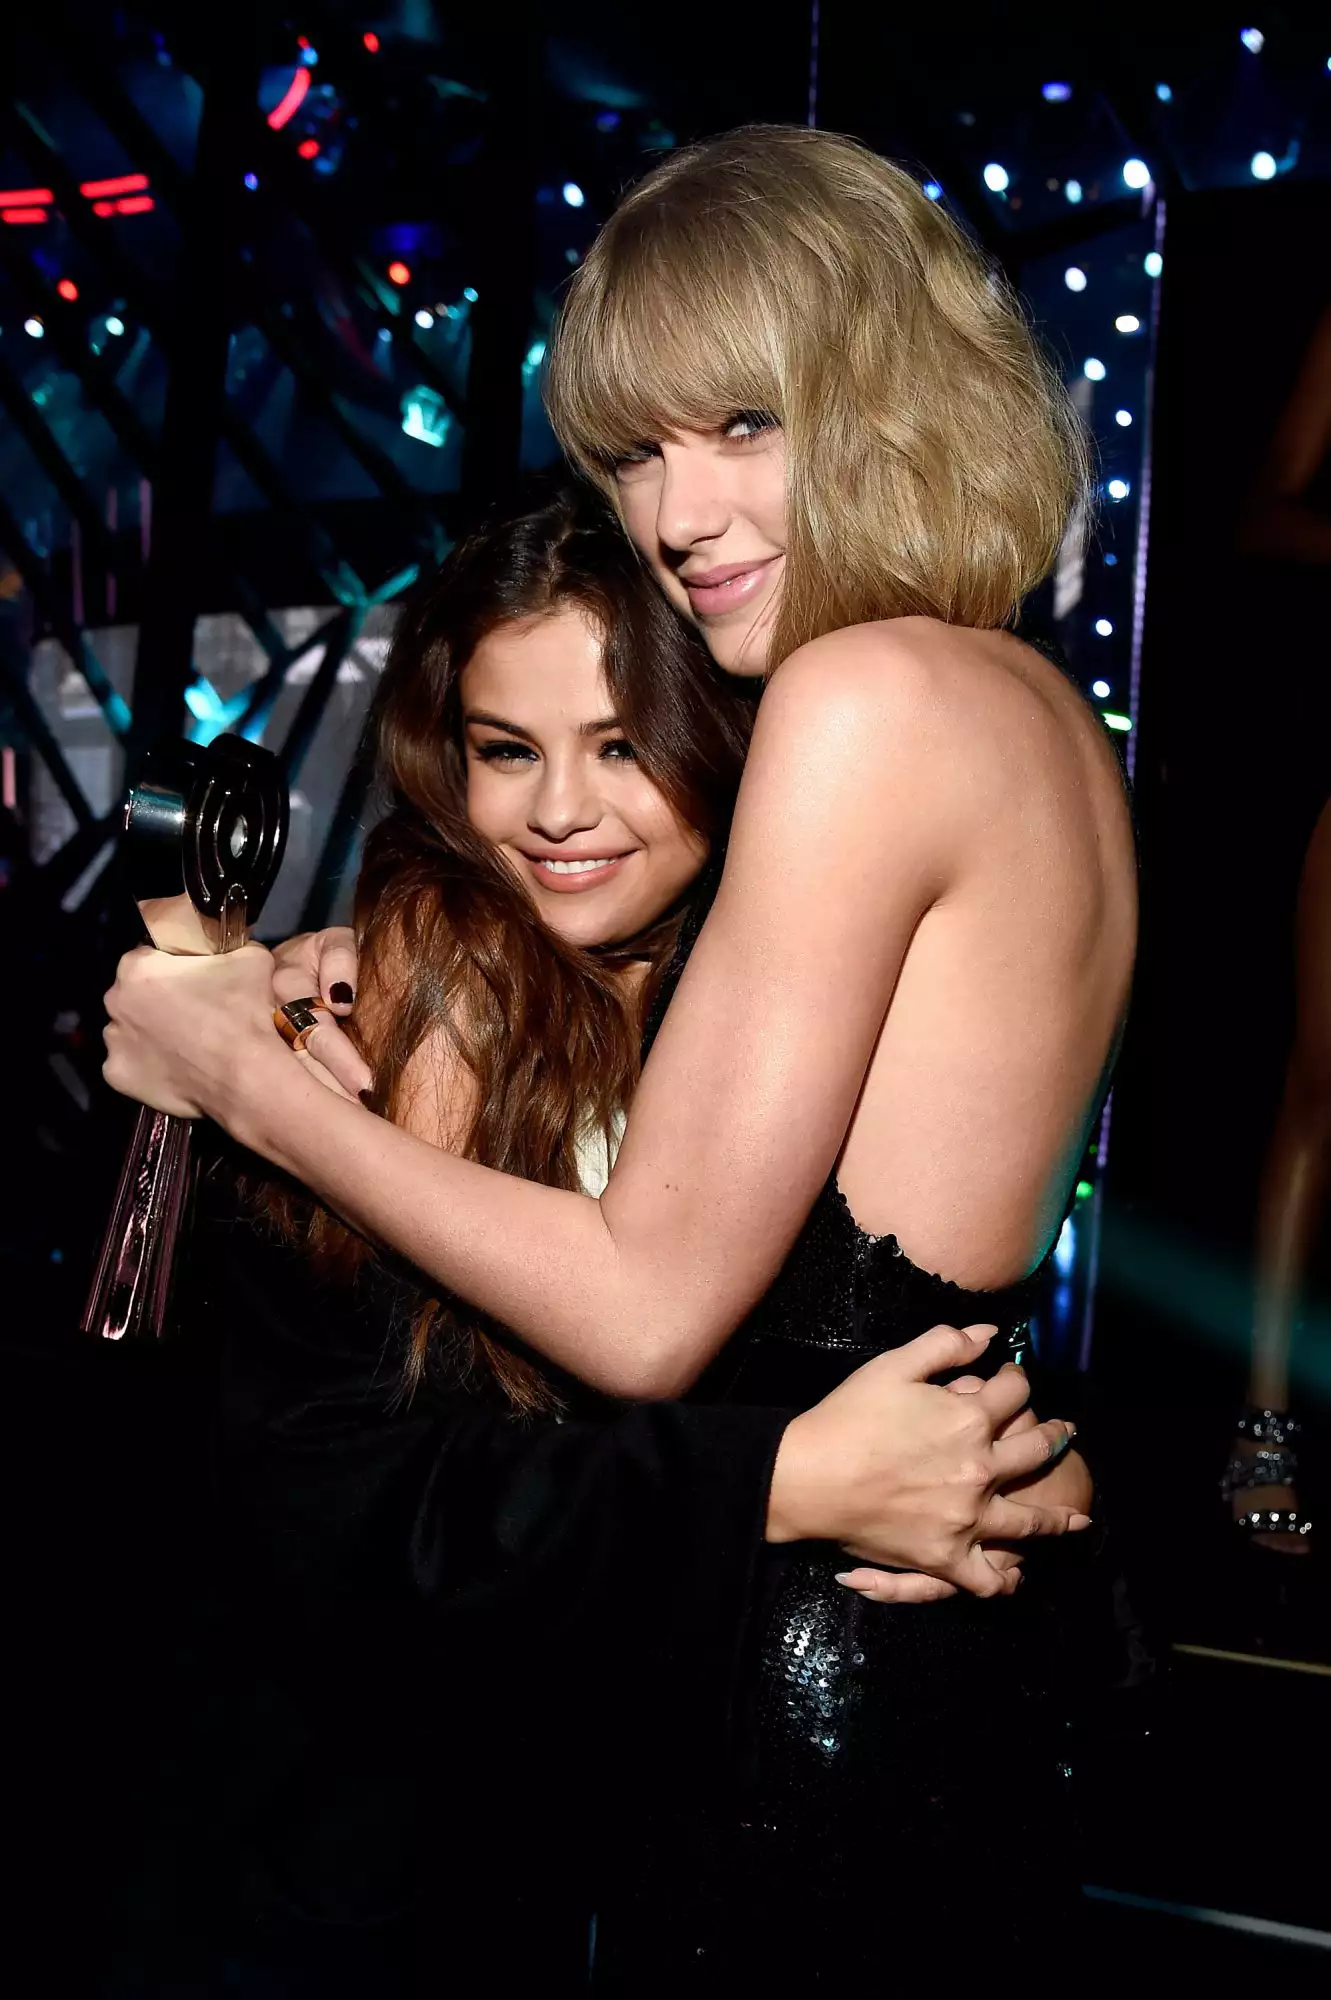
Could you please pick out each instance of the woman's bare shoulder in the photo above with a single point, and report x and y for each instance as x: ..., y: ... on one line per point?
x: 935, y: 680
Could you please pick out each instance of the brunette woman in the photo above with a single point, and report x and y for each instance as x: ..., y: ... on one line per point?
x: 831, y: 437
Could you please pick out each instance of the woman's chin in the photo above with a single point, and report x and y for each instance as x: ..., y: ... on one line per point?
x: 737, y: 649
x: 586, y: 930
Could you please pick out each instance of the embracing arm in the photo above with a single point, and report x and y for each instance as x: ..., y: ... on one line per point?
x: 745, y: 1103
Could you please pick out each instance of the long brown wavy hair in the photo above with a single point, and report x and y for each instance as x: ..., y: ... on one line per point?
x: 451, y: 946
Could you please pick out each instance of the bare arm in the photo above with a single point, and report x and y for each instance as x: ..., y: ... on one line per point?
x: 1280, y: 522
x: 1294, y: 1182
x: 852, y: 822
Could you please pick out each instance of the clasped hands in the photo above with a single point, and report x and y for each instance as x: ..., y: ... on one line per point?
x: 939, y: 1486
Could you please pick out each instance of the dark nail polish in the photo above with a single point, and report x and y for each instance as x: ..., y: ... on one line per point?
x: 340, y: 993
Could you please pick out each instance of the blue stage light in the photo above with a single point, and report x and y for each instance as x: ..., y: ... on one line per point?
x: 115, y: 325
x: 1072, y: 189
x: 424, y: 317
x: 34, y: 328
x: 1253, y: 40
x: 425, y: 415
x: 1101, y: 690
x: 1093, y: 370
x: 573, y: 194
x: 1118, y: 489
x: 1055, y: 93
x: 470, y: 294
x: 1127, y: 323
x: 1263, y: 166
x: 212, y: 715
x: 1136, y: 174
x: 996, y: 178
x: 1164, y: 93
x: 251, y: 182
x: 607, y: 121
x: 1075, y: 278
x: 1104, y: 628
x: 933, y: 191
x: 1153, y: 263
x: 1109, y: 559
x: 1123, y: 418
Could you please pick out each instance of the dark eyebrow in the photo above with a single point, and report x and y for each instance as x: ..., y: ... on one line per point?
x: 497, y: 722
x: 601, y: 727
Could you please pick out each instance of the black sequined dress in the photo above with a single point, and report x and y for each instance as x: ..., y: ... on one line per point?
x: 893, y: 1797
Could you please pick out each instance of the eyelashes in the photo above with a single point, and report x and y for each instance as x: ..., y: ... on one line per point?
x: 742, y: 427
x: 755, y: 422
x: 617, y: 750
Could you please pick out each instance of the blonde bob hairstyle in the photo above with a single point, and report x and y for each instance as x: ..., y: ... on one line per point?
x: 933, y: 456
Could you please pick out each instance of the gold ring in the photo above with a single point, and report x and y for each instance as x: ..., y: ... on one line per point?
x: 297, y: 1020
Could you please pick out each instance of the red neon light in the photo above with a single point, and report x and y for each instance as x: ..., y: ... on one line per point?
x: 138, y: 204
x: 24, y: 215
x: 296, y: 92
x: 26, y: 197
x: 302, y: 41
x: 371, y: 41
x: 399, y: 272
x: 118, y: 184
x: 68, y: 289
x: 308, y: 149
x: 103, y: 208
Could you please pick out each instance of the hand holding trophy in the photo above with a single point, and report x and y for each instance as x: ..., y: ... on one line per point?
x: 204, y: 833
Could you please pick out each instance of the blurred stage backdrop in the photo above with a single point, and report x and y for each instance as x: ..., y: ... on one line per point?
x: 275, y: 288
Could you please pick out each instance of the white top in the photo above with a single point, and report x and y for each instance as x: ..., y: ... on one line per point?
x: 596, y: 1157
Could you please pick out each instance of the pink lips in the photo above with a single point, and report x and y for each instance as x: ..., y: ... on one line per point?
x: 584, y: 878
x: 713, y: 591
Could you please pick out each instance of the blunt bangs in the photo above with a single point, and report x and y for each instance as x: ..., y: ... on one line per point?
x: 679, y: 341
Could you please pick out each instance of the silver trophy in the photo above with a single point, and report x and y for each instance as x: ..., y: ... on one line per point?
x: 204, y: 834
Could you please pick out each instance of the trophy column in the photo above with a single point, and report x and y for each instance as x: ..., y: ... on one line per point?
x: 204, y: 834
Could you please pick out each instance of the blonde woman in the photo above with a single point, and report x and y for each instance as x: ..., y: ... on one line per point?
x: 829, y: 434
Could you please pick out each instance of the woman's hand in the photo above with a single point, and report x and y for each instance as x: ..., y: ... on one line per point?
x: 324, y: 962
x: 192, y: 1036
x: 1067, y: 1483
x: 905, y: 1473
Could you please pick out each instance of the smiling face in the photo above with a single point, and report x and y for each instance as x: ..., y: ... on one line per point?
x: 553, y: 782
x: 707, y: 512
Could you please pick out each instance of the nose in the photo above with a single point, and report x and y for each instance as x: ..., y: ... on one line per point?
x: 692, y: 505
x: 564, y: 801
